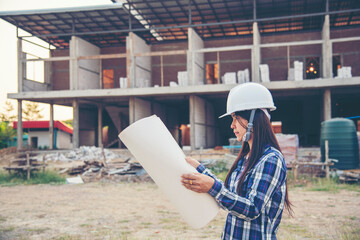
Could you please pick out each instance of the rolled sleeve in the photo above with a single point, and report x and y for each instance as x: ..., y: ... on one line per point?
x: 201, y: 168
x: 215, y: 189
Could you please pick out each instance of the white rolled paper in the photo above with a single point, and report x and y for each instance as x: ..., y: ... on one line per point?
x: 153, y: 146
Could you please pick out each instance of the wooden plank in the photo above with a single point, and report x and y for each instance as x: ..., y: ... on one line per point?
x: 161, y: 53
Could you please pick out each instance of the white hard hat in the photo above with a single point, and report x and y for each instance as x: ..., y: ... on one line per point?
x: 248, y: 96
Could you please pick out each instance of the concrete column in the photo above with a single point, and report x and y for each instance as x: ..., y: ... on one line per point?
x: 192, y: 122
x: 21, y: 69
x: 47, y: 75
x: 73, y: 64
x: 51, y: 127
x: 255, y: 54
x: 19, y: 129
x: 326, y: 49
x: 131, y: 110
x: 327, y: 104
x: 195, y: 61
x: 76, y: 125
x: 100, y: 135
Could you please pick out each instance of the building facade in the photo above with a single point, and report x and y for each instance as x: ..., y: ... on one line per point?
x: 118, y: 63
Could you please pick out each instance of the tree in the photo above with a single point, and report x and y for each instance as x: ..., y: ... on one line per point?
x: 7, y: 133
x: 32, y: 111
x: 8, y: 114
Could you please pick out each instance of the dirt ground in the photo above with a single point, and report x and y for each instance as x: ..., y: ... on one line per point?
x: 141, y: 211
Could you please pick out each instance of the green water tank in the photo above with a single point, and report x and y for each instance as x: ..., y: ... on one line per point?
x: 343, y: 142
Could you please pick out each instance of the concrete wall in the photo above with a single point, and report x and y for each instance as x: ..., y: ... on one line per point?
x: 84, y: 74
x: 30, y: 85
x: 43, y: 138
x: 139, y: 68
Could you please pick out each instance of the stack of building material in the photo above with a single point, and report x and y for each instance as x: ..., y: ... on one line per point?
x: 264, y: 73
x: 173, y: 84
x: 235, y: 146
x: 123, y: 82
x: 298, y: 71
x: 344, y: 72
x: 183, y: 78
x: 229, y: 78
x: 243, y: 76
x: 289, y: 144
x: 291, y: 74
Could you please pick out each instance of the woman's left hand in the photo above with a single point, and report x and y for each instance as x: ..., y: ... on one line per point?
x: 197, y: 182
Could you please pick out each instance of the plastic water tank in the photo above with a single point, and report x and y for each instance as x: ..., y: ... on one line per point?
x: 343, y: 142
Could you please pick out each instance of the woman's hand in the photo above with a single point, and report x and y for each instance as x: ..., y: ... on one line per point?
x: 197, y: 182
x: 192, y: 161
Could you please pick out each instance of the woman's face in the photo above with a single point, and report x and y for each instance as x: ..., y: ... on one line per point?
x: 239, y: 126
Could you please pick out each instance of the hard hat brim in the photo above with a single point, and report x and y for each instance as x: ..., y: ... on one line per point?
x: 224, y: 115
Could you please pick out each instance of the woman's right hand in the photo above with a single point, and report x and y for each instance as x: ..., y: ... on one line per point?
x: 192, y: 161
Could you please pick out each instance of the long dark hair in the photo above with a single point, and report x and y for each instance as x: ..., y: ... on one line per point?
x: 262, y: 135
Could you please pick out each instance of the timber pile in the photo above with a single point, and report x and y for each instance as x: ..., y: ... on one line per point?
x: 352, y: 175
x: 25, y: 163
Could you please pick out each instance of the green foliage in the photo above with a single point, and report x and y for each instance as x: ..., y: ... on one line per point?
x: 332, y: 185
x: 6, y: 134
x: 45, y: 177
x: 309, y: 183
x: 32, y: 111
x: 220, y: 169
x: 68, y: 122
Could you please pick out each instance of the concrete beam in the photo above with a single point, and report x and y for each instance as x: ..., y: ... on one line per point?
x: 19, y: 129
x: 51, y: 127
x: 326, y: 49
x: 76, y: 125
x: 184, y: 90
x: 327, y: 104
x: 255, y: 54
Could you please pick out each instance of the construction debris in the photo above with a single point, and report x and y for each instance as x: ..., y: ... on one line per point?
x: 84, y: 153
x: 352, y: 175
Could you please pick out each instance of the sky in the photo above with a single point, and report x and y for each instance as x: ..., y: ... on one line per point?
x: 8, y: 50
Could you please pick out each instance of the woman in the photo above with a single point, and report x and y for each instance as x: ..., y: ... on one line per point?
x: 254, y: 192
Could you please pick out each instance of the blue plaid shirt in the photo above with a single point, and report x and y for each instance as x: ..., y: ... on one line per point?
x: 256, y: 213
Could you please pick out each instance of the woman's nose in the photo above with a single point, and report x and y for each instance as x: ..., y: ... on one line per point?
x: 232, y: 125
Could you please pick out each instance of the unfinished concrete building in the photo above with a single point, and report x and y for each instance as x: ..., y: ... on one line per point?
x: 118, y: 63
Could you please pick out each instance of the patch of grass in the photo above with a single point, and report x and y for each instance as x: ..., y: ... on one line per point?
x: 2, y: 219
x: 67, y: 237
x: 37, y: 230
x: 7, y: 229
x: 320, y: 184
x: 349, y: 233
x: 293, y: 231
x: 86, y: 225
x: 124, y: 221
x: 46, y: 177
x: 331, y: 185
